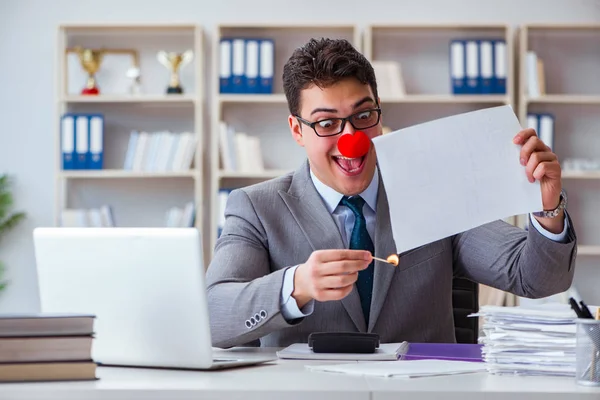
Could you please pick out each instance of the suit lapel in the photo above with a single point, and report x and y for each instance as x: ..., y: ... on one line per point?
x: 384, y: 246
x: 321, y: 231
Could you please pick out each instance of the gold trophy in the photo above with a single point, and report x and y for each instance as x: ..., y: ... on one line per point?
x: 174, y: 62
x: 90, y: 61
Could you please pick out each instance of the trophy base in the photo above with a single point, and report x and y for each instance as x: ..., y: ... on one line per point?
x: 175, y: 90
x: 90, y: 91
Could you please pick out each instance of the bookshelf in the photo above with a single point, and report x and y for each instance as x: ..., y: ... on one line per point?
x: 150, y: 109
x: 569, y: 90
x: 570, y: 55
x: 261, y: 115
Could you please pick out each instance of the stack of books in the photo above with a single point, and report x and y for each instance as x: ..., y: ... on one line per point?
x: 239, y: 151
x: 532, y: 340
x: 536, y: 78
x: 46, y: 348
x: 160, y: 151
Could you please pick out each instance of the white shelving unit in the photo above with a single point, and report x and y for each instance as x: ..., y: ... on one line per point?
x: 571, y: 59
x: 151, y: 110
x: 262, y: 115
x: 573, y: 94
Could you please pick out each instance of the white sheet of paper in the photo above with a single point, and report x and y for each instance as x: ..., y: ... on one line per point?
x: 456, y: 173
x: 405, y: 369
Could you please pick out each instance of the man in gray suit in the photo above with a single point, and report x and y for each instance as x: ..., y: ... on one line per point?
x: 295, y: 254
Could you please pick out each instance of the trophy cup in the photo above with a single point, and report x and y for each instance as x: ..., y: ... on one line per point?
x: 135, y: 87
x: 90, y: 61
x: 174, y: 62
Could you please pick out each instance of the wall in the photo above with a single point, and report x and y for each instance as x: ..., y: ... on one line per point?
x: 27, y: 77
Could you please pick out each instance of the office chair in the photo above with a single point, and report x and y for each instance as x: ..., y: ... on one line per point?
x: 465, y: 300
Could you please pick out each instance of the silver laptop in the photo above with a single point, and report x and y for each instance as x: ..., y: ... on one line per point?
x: 146, y: 287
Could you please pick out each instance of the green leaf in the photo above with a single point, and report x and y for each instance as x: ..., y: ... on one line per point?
x: 4, y: 183
x: 11, y: 222
x: 6, y: 199
x: 6, y: 202
x: 3, y: 284
x: 8, y: 219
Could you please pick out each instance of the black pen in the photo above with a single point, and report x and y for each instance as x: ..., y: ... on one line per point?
x: 576, y: 308
x: 585, y: 310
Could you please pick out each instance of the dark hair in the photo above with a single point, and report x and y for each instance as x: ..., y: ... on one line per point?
x: 324, y: 62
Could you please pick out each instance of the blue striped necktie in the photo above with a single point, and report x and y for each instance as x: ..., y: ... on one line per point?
x: 361, y: 240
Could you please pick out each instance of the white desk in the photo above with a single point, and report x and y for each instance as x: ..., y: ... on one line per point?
x: 288, y: 379
x: 481, y: 386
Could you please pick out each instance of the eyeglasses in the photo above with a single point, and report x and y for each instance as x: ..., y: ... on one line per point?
x: 334, y: 126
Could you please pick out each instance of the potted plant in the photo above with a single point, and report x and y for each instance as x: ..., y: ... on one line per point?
x: 8, y: 219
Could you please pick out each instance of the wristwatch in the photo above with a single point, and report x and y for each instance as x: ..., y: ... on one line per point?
x: 553, y: 213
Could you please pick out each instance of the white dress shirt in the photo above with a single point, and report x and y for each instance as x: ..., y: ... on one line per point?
x: 344, y: 218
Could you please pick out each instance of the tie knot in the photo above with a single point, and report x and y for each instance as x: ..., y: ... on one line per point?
x: 354, y: 203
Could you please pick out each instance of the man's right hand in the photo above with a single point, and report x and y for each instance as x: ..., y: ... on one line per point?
x: 328, y: 275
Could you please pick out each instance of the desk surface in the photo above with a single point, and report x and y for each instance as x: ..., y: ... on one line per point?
x: 290, y: 380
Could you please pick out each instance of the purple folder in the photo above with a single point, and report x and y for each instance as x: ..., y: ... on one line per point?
x: 443, y: 351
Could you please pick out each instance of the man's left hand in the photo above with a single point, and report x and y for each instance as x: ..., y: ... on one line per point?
x: 542, y: 164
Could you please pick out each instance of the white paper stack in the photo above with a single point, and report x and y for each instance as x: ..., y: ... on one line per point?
x: 532, y: 340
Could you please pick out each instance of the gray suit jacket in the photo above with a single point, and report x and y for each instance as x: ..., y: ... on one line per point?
x: 277, y: 224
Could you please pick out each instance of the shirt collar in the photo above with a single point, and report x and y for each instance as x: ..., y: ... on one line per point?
x: 332, y: 198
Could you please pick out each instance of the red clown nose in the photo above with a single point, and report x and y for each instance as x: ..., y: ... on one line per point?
x: 354, y: 145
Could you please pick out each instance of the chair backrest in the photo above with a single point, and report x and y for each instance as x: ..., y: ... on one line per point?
x: 465, y: 300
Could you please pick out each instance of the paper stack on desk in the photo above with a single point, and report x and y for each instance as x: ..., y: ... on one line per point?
x: 537, y: 340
